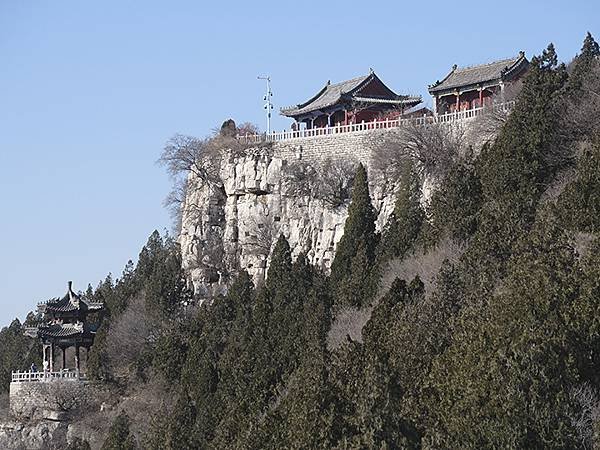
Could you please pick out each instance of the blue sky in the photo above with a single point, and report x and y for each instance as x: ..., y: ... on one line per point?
x: 90, y: 91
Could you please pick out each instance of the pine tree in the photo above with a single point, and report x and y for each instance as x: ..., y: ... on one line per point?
x: 515, y: 170
x: 280, y: 267
x: 119, y: 437
x: 405, y: 223
x: 355, y: 252
x: 456, y: 204
x: 583, y: 63
x: 78, y: 444
x: 17, y: 352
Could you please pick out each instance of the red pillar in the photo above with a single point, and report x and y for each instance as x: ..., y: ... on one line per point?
x: 457, y: 102
x: 480, y: 97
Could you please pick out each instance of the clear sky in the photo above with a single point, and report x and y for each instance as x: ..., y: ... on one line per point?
x: 90, y: 92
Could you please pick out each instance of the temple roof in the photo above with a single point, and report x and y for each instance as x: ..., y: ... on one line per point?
x: 61, y: 330
x: 349, y: 90
x: 69, y: 303
x: 474, y: 75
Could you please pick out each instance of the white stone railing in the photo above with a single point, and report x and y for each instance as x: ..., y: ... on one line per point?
x: 458, y: 116
x: 29, y: 376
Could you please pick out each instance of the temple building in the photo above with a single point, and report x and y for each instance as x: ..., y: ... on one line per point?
x: 65, y: 324
x: 360, y: 99
x: 476, y: 86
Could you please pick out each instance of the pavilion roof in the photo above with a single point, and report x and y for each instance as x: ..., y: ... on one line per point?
x: 69, y: 303
x: 331, y: 94
x: 474, y: 75
x: 65, y: 330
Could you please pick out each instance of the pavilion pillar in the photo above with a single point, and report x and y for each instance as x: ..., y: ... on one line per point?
x: 45, y: 351
x: 480, y: 97
x: 52, y: 357
x: 457, y: 102
x: 64, y: 358
x: 77, y: 357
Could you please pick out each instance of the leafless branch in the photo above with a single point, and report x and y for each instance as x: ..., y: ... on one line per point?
x: 580, y: 113
x: 586, y: 397
x: 433, y: 147
x: 330, y: 181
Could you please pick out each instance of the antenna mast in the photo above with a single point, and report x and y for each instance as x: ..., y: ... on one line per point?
x: 268, y: 104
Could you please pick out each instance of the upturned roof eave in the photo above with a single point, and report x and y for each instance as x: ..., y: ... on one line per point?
x: 438, y: 87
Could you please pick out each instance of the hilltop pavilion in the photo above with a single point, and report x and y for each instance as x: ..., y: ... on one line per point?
x: 353, y: 101
x: 473, y: 87
x: 65, y: 324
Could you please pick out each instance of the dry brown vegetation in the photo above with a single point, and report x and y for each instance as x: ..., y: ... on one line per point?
x: 330, y: 181
x: 4, y: 406
x: 424, y: 263
x: 129, y: 335
x: 433, y: 147
x: 581, y: 113
x: 348, y: 323
x: 589, y: 402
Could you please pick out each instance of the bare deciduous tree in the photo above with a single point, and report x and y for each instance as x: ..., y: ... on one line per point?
x: 580, y: 113
x: 489, y: 122
x: 299, y: 179
x: 194, y: 163
x: 334, y: 184
x: 188, y: 154
x: 129, y: 334
x: 247, y: 129
x: 433, y: 147
x: 331, y: 181
x: 424, y: 263
x: 586, y: 421
x: 265, y: 232
x: 4, y: 406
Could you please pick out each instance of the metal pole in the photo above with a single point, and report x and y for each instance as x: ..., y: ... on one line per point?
x: 267, y: 98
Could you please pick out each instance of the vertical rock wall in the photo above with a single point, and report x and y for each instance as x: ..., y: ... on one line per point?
x: 232, y: 224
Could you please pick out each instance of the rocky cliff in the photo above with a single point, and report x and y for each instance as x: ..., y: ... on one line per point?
x: 232, y: 225
x: 294, y: 187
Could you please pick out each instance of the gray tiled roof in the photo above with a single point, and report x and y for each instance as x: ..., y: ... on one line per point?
x: 465, y: 76
x: 70, y: 302
x: 61, y: 330
x: 404, y: 100
x: 328, y: 96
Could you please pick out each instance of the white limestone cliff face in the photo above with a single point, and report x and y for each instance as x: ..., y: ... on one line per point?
x: 233, y: 224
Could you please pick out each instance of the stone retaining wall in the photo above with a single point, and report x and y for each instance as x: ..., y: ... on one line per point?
x: 38, y: 399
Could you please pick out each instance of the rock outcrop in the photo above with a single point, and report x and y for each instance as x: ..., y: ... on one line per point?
x: 232, y: 224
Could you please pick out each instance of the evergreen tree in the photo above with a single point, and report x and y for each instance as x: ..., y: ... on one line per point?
x: 405, y: 223
x: 456, y: 204
x: 583, y: 63
x: 356, y: 250
x: 514, y: 171
x: 17, y: 351
x: 579, y: 203
x: 78, y: 444
x: 119, y: 437
x: 506, y: 379
x: 179, y: 433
